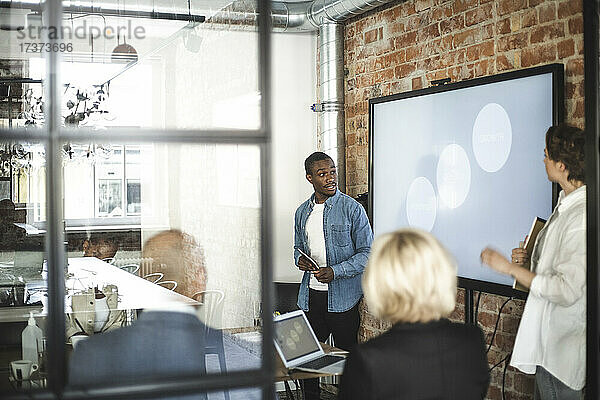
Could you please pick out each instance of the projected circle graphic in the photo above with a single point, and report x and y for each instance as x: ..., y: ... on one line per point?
x: 492, y: 137
x: 421, y: 204
x: 453, y: 176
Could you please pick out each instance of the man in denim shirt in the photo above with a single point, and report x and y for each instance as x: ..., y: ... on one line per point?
x: 333, y: 229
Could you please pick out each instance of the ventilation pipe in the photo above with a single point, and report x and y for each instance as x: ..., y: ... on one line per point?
x: 331, y: 95
x: 328, y: 15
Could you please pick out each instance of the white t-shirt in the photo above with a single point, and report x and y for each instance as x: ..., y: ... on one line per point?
x: 316, y: 243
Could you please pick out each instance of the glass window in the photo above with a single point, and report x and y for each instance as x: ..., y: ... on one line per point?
x: 147, y: 231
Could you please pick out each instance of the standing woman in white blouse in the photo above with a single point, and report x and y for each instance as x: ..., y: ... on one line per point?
x: 550, y: 341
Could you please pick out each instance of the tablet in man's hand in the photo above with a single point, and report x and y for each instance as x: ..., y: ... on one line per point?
x: 314, y: 265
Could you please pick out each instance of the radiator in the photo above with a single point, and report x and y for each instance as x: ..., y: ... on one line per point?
x: 145, y: 264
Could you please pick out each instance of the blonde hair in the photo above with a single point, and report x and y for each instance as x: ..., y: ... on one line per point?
x: 410, y: 277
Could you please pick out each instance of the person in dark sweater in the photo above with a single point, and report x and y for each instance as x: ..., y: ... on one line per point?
x: 410, y: 280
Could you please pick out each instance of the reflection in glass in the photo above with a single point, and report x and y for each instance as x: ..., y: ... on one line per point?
x: 174, y: 234
x: 23, y: 269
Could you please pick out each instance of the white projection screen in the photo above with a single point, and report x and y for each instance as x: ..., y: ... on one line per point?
x: 464, y: 161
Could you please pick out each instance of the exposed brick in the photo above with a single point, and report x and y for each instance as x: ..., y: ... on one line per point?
x: 523, y: 383
x: 547, y: 12
x: 428, y: 33
x: 565, y: 48
x: 403, y: 70
x: 384, y: 76
x: 383, y: 46
x: 452, y: 24
x: 510, y: 6
x: 395, y: 28
x: 480, y: 68
x: 463, y: 5
x: 576, y: 25
x: 417, y: 83
x: 547, y: 32
x: 407, y: 8
x: 511, y: 42
x: 570, y: 89
x: 465, y: 38
x: 579, y: 111
x: 421, y: 5
x: 406, y: 40
x: 446, y: 43
x: 533, y: 3
x: 503, y: 63
x: 574, y: 67
x: 443, y: 11
x: 568, y: 8
x: 412, y: 53
x: 389, y: 15
x: 529, y: 18
x: 503, y: 26
x: 478, y: 15
x: 371, y: 36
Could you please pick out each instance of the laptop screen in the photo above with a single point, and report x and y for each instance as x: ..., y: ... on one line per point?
x: 294, y: 337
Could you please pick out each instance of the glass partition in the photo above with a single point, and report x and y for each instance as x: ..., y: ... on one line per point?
x: 192, y: 246
x: 23, y: 267
x: 159, y: 242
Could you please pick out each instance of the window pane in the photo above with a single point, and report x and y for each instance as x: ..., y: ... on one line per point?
x: 23, y: 268
x: 110, y: 197
x: 134, y: 205
x: 188, y: 273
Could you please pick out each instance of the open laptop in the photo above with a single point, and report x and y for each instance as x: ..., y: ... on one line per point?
x: 299, y: 348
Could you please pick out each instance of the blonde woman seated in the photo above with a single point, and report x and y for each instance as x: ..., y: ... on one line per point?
x: 410, y: 280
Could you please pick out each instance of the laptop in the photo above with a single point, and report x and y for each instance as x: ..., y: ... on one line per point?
x: 299, y: 348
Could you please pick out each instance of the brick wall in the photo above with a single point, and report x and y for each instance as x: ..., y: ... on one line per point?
x: 405, y: 45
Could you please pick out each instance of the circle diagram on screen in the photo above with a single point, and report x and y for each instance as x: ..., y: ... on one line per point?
x: 453, y: 176
x: 492, y: 137
x: 421, y: 204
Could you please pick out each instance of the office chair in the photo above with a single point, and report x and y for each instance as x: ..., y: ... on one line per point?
x: 154, y: 277
x: 212, y: 315
x: 167, y: 283
x: 131, y: 268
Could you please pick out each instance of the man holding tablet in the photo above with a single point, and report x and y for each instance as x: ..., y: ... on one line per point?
x: 332, y: 240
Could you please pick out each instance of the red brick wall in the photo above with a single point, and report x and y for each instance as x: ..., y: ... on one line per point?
x: 406, y: 45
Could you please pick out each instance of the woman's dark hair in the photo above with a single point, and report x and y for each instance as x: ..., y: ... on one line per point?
x: 312, y: 159
x: 566, y: 144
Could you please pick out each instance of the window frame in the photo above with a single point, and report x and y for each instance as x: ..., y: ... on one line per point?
x: 52, y: 135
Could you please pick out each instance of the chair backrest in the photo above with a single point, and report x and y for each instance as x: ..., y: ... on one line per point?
x: 168, y: 283
x: 131, y: 268
x: 212, y: 307
x: 109, y: 260
x: 154, y: 277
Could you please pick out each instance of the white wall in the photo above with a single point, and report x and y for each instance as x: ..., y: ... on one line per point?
x: 217, y: 87
x: 294, y: 138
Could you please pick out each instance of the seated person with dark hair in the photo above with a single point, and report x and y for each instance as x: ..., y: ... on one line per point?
x: 100, y: 247
x: 410, y: 280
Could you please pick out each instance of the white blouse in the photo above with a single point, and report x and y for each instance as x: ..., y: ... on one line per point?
x: 552, y: 330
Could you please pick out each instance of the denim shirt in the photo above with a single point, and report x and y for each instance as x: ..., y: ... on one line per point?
x: 348, y: 238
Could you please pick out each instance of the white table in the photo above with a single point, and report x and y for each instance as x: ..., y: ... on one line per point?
x: 135, y: 293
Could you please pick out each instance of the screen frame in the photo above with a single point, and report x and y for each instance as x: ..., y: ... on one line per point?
x: 558, y: 113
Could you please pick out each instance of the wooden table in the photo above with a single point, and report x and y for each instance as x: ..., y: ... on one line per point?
x: 135, y: 293
x: 284, y: 375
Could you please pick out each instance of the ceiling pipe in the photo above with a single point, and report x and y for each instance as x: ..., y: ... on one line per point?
x: 141, y: 10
